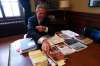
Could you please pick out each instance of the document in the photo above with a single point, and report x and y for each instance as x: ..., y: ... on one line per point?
x: 69, y: 33
x: 55, y: 40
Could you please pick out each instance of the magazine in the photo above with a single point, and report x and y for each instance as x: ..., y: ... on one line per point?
x: 56, y: 56
x: 65, y: 49
x: 75, y: 44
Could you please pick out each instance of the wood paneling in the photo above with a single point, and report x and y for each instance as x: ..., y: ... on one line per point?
x: 79, y: 20
x: 60, y: 19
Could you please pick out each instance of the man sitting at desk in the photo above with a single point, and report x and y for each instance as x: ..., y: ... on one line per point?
x: 38, y: 28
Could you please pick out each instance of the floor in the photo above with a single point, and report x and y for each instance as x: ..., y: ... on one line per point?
x: 87, y: 57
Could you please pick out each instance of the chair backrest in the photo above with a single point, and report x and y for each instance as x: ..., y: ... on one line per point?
x: 93, y: 33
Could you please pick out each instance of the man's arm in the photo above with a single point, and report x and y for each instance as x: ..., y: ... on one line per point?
x: 32, y: 30
x: 36, y: 36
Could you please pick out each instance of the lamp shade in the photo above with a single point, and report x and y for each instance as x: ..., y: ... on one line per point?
x: 64, y: 4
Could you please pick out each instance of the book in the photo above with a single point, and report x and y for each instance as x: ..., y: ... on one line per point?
x: 26, y: 45
x: 56, y: 56
x: 65, y: 49
x: 38, y: 58
x: 59, y: 48
x: 59, y: 43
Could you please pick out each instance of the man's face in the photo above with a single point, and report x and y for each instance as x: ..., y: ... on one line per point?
x: 40, y: 12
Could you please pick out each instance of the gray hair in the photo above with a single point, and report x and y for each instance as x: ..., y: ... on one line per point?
x: 40, y: 6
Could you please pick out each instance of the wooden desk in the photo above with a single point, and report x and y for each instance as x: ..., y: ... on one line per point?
x: 16, y: 59
x: 87, y: 57
x: 4, y: 55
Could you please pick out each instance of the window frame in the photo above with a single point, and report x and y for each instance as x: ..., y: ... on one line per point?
x: 20, y: 9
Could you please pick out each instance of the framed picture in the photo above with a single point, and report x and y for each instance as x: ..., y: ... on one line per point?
x: 94, y: 3
x: 52, y: 4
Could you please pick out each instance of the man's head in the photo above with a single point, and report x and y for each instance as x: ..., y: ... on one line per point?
x: 40, y: 11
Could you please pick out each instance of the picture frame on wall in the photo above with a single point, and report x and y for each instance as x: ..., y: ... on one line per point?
x: 94, y: 3
x: 52, y: 4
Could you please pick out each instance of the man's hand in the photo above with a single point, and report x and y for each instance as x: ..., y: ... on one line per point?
x: 41, y: 28
x: 46, y: 46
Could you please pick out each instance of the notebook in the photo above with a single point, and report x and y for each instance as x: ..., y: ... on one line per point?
x: 27, y: 45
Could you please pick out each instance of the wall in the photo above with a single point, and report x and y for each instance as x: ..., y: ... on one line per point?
x: 81, y: 15
x: 82, y: 6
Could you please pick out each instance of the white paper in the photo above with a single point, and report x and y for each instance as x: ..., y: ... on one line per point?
x: 66, y: 50
x: 69, y: 33
x: 55, y: 40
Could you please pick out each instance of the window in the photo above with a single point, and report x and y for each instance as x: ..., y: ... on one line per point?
x: 0, y: 14
x: 10, y: 8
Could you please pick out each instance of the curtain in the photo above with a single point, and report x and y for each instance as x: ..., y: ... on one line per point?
x: 27, y: 8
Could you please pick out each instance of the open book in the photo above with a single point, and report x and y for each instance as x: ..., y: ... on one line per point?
x: 75, y: 44
x: 59, y: 49
x: 59, y: 42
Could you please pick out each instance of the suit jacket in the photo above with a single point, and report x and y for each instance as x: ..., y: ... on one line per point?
x: 33, y: 33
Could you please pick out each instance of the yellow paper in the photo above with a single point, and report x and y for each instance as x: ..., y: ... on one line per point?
x: 87, y: 41
x: 60, y: 62
x: 37, y: 58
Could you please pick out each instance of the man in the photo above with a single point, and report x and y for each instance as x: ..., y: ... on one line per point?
x: 38, y: 28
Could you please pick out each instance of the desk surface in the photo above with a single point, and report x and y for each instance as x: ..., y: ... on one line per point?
x: 4, y: 55
x: 87, y: 57
x: 16, y: 59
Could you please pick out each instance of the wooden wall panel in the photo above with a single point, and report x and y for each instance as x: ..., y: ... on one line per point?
x: 79, y: 20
